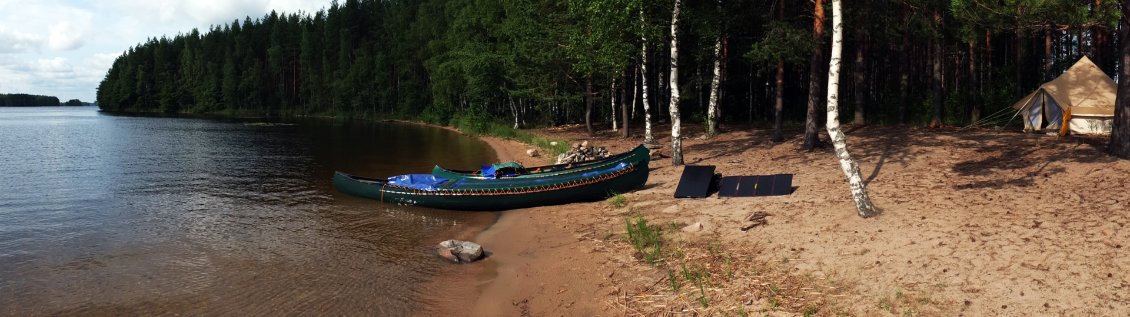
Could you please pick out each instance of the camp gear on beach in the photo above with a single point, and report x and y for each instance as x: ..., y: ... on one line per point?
x: 1082, y: 97
x: 479, y: 193
x: 758, y: 185
x: 695, y: 182
x: 547, y: 170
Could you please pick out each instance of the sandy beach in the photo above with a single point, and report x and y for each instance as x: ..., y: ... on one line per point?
x: 975, y: 222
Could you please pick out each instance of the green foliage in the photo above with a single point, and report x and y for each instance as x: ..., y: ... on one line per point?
x: 618, y: 201
x: 479, y: 123
x: 646, y: 239
x: 673, y: 280
x: 782, y: 41
x: 25, y: 100
x: 481, y: 63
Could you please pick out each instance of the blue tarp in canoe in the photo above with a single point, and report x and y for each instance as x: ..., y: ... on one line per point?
x: 417, y: 181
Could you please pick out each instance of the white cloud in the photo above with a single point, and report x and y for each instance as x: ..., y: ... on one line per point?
x: 53, y: 65
x: 65, y: 36
x: 17, y: 42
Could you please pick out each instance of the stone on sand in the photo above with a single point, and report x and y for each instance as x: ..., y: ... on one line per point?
x: 692, y: 228
x: 671, y: 210
x: 457, y: 251
x: 532, y: 152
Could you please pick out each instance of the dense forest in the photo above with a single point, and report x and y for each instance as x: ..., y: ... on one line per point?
x: 26, y: 100
x: 547, y: 62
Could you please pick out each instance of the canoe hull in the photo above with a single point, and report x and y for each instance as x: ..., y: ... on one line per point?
x: 599, y: 187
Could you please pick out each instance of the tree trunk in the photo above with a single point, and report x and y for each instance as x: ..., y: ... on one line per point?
x: 975, y: 103
x: 1048, y: 53
x: 839, y: 140
x: 1097, y: 37
x: 722, y: 73
x: 904, y: 72
x: 624, y: 106
x: 1120, y: 135
x: 676, y: 135
x: 648, y: 137
x: 779, y: 102
x: 939, y: 94
x: 712, y: 109
x: 514, y: 110
x: 588, y: 105
x: 635, y: 92
x: 612, y: 103
x: 860, y: 77
x: 1019, y: 52
x: 811, y: 135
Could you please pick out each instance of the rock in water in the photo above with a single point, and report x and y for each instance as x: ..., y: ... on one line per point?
x: 458, y: 251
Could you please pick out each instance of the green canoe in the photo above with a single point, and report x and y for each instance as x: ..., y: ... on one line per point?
x: 513, y: 170
x: 428, y: 190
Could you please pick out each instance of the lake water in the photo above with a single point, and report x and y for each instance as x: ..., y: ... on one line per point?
x: 104, y: 214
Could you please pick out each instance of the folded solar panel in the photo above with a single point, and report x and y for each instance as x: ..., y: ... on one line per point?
x: 695, y: 181
x: 758, y: 185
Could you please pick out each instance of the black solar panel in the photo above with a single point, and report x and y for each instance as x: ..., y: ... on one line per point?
x: 758, y: 185
x: 782, y: 184
x: 695, y: 182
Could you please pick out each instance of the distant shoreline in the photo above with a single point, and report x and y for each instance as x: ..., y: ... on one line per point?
x: 49, y: 106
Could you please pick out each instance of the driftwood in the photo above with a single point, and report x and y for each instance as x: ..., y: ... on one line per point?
x: 756, y: 219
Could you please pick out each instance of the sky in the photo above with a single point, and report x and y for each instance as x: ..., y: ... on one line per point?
x: 63, y: 48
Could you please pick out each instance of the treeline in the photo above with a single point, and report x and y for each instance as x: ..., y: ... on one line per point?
x: 544, y: 62
x: 26, y: 100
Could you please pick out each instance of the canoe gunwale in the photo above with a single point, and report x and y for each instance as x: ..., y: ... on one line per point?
x: 630, y: 167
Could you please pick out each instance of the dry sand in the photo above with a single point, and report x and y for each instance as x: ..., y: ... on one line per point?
x: 976, y: 223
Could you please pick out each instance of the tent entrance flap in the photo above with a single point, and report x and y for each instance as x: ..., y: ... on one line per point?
x: 1053, y: 114
x: 1034, y: 118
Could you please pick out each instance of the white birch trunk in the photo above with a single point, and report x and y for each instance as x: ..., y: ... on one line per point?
x: 839, y: 140
x: 648, y: 137
x: 635, y: 92
x: 676, y: 135
x: 712, y: 109
x: 612, y: 93
x: 514, y: 109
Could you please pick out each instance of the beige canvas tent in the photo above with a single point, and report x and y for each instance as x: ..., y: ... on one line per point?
x: 1083, y: 96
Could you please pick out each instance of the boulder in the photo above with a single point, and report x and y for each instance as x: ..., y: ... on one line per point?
x: 457, y: 251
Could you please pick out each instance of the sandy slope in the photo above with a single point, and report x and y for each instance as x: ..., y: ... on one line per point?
x: 974, y: 223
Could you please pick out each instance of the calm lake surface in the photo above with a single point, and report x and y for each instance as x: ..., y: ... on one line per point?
x: 104, y: 214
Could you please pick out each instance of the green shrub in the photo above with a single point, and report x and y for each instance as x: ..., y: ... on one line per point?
x: 646, y: 239
x: 618, y: 201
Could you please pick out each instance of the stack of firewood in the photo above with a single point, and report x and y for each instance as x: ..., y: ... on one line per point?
x: 582, y: 152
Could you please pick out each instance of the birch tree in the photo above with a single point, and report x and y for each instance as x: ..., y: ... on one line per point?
x: 676, y: 125
x: 612, y: 96
x: 839, y: 140
x: 648, y: 137
x: 712, y: 108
